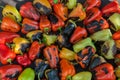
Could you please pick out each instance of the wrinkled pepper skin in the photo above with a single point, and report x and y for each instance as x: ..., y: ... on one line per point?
x: 82, y: 76
x: 6, y: 54
x: 78, y: 34
x: 84, y: 56
x: 29, y: 25
x: 7, y: 37
x: 51, y: 54
x: 9, y: 25
x: 10, y: 72
x: 28, y: 11
x: 104, y: 72
x: 27, y: 74
x: 67, y: 69
x: 23, y: 60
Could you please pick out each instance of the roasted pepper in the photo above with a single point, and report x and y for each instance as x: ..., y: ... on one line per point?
x: 6, y: 54
x: 29, y: 25
x: 92, y: 14
x: 27, y: 74
x: 102, y: 35
x: 9, y: 25
x: 44, y: 24
x: 84, y: 56
x: 61, y: 10
x: 20, y: 45
x: 35, y: 50
x: 78, y: 34
x: 104, y: 72
x: 67, y: 69
x: 115, y: 19
x: 12, y: 12
x: 71, y: 4
x: 78, y: 12
x: 43, y: 6
x: 117, y: 59
x: 56, y: 22
x: 52, y: 2
x: 23, y: 60
x: 112, y: 7
x: 96, y: 25
x: 117, y: 71
x: 51, y: 54
x: 28, y: 11
x: 85, y: 75
x: 67, y: 54
x: 10, y: 72
x: 82, y: 44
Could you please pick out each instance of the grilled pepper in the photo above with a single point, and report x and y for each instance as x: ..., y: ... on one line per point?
x: 51, y: 54
x: 78, y: 12
x: 52, y: 2
x: 71, y: 4
x: 12, y: 12
x: 117, y: 59
x: 20, y: 45
x: 78, y: 34
x: 44, y: 24
x: 96, y: 25
x: 8, y: 24
x: 82, y: 44
x: 67, y: 54
x: 116, y: 35
x: 92, y: 14
x: 43, y: 6
x: 6, y: 54
x: 27, y: 74
x: 56, y: 22
x: 61, y: 10
x: 84, y: 56
x: 117, y: 71
x: 29, y: 25
x: 85, y: 75
x: 23, y: 60
x: 112, y: 7
x: 108, y: 49
x: 114, y: 19
x: 35, y: 50
x: 102, y: 35
x: 67, y: 69
x: 104, y: 72
x: 28, y: 11
x: 7, y: 37
x: 10, y: 72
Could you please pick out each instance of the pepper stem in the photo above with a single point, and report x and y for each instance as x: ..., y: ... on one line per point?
x: 69, y: 77
x: 0, y: 21
x: 73, y: 22
x: 21, y: 53
x: 9, y: 60
x: 39, y: 76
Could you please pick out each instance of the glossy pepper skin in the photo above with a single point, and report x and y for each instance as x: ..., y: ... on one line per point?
x: 8, y: 24
x: 116, y: 35
x: 51, y: 54
x: 61, y: 11
x: 29, y: 25
x: 7, y: 37
x: 23, y: 60
x: 78, y: 34
x: 104, y: 72
x: 28, y: 11
x: 35, y: 50
x: 6, y: 54
x: 67, y: 69
x: 10, y: 72
x: 112, y: 7
x: 92, y: 14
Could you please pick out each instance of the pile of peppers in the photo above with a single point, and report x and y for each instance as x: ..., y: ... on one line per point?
x: 60, y: 40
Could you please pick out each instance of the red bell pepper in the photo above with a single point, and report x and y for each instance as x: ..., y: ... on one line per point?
x: 28, y: 11
x: 78, y: 34
x: 51, y: 54
x: 112, y: 7
x: 104, y: 72
x: 89, y: 4
x: 29, y: 25
x: 7, y: 37
x: 35, y: 49
x: 10, y: 72
x: 52, y: 2
x: 116, y: 35
x: 6, y: 54
x: 92, y: 14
